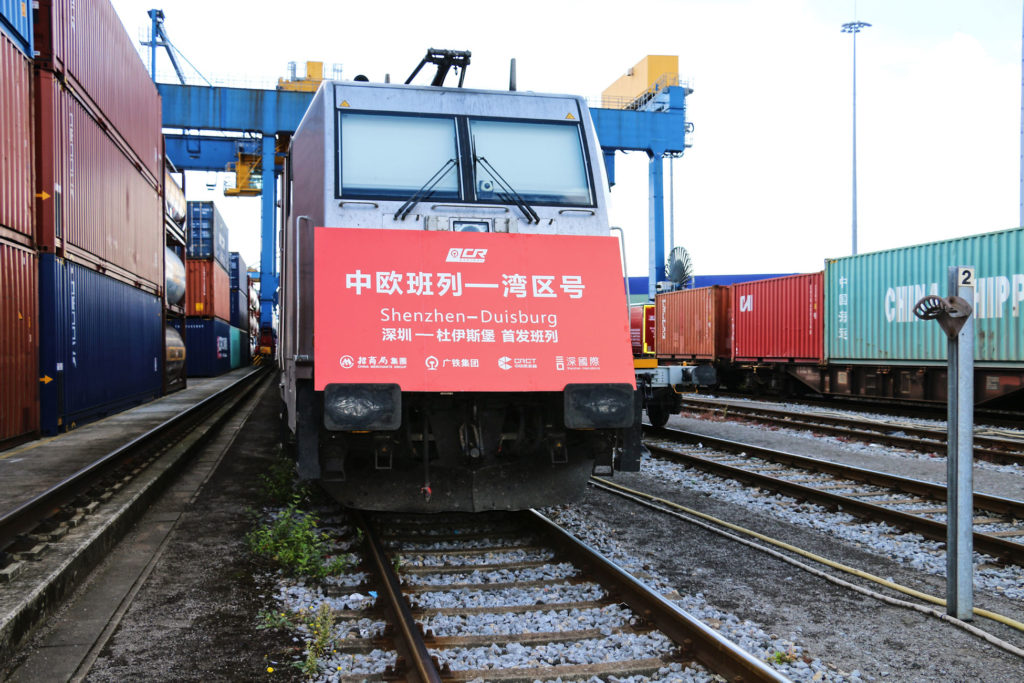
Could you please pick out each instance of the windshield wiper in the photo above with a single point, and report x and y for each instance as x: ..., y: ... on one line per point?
x: 425, y: 191
x: 509, y: 193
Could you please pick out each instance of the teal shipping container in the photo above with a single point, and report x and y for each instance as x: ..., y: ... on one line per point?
x: 236, y: 348
x: 870, y: 298
x: 239, y: 347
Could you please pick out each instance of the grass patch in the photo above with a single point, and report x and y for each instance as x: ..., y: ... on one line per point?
x: 291, y: 540
x: 277, y: 484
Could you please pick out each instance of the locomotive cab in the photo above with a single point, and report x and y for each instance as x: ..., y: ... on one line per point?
x: 454, y: 330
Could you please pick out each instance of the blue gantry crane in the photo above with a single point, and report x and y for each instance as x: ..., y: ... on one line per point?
x: 651, y: 121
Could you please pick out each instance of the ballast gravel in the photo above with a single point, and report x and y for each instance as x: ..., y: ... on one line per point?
x: 908, y: 548
x: 504, y: 557
x: 298, y: 597
x: 462, y: 544
x: 744, y: 633
x: 617, y: 647
x: 544, y: 573
x: 548, y: 621
x: 554, y: 594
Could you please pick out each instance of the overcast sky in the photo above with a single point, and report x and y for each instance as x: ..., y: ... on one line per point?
x: 766, y: 187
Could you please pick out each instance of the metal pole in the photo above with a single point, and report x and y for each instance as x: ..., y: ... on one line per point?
x: 1022, y: 129
x: 854, y: 27
x: 960, y: 453
x: 854, y: 251
x: 656, y: 208
x: 671, y: 204
x: 152, y: 44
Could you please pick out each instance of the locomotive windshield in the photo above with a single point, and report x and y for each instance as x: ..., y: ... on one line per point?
x: 543, y: 162
x: 415, y: 157
x: 392, y: 156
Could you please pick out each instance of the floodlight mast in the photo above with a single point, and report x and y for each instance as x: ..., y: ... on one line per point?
x: 854, y: 27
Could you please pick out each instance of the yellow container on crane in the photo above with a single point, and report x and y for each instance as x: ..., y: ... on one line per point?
x: 642, y: 82
x: 309, y: 83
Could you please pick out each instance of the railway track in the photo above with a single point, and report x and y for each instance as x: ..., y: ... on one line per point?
x: 1011, y: 419
x: 512, y: 597
x: 910, y: 504
x: 1001, y: 449
x: 52, y: 541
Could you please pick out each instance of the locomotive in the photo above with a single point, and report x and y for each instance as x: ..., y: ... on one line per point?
x: 454, y: 327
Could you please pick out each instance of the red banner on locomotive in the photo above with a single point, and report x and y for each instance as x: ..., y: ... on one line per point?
x: 443, y: 311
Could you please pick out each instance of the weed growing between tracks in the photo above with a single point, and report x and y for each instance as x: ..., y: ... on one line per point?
x: 321, y: 627
x: 292, y: 540
x: 287, y: 536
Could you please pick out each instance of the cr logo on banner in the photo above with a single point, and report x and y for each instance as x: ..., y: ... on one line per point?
x: 466, y: 255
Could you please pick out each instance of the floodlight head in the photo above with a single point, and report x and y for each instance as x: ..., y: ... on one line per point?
x: 854, y: 26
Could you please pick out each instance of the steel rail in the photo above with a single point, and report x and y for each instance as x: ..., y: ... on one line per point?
x: 928, y: 528
x: 415, y: 649
x: 905, y: 408
x: 694, y: 638
x: 922, y: 439
x: 30, y: 514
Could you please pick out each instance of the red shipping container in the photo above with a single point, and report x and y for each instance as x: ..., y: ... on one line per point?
x: 643, y: 324
x: 16, y: 165
x: 207, y: 290
x: 19, y: 342
x: 84, y: 39
x: 693, y: 324
x: 781, y: 319
x: 99, y: 201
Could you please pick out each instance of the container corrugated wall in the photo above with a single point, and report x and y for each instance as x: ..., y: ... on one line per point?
x: 19, y: 342
x: 207, y: 293
x: 16, y: 21
x: 693, y: 324
x: 85, y: 40
x: 207, y: 346
x: 780, y: 319
x: 238, y: 272
x: 236, y: 348
x: 642, y: 328
x: 16, y: 162
x: 207, y: 233
x: 100, y: 203
x: 870, y: 300
x: 101, y: 342
x: 239, y: 309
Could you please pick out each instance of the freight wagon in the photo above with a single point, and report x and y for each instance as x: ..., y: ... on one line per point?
x: 850, y: 329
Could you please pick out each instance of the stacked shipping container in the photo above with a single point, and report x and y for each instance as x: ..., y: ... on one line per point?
x: 81, y: 249
x: 207, y: 330
x: 104, y: 345
x: 19, y: 274
x: 239, y: 276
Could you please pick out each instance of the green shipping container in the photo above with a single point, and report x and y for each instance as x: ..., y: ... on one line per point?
x: 870, y: 298
x: 236, y: 348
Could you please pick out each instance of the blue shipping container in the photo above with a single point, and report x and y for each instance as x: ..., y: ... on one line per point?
x: 238, y: 272
x: 638, y: 284
x: 207, y: 233
x: 16, y: 21
x: 239, y: 308
x: 101, y: 345
x: 207, y: 346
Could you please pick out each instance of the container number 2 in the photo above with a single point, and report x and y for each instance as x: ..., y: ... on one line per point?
x: 965, y: 277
